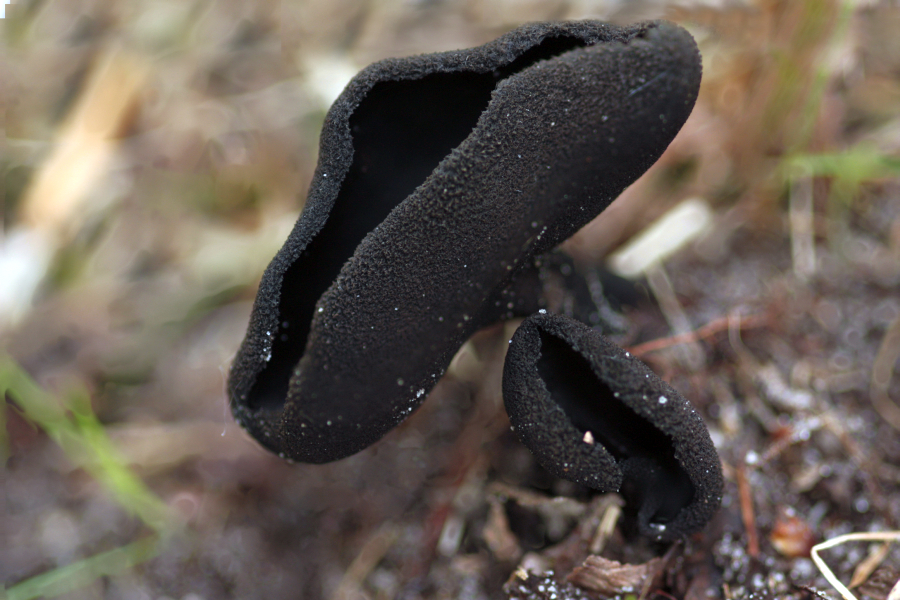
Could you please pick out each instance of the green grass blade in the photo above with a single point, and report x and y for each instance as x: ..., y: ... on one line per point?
x: 84, y: 572
x: 73, y: 425
x: 76, y: 429
x: 848, y: 169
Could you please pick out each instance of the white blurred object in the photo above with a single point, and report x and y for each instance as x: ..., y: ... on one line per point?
x: 803, y: 240
x: 645, y: 254
x: 24, y: 257
x: 663, y: 238
x: 60, y: 195
x: 327, y: 76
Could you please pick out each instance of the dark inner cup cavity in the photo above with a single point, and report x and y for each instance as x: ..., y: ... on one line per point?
x: 644, y: 453
x: 401, y: 131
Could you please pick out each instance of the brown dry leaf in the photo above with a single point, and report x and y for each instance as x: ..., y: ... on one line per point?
x: 611, y: 577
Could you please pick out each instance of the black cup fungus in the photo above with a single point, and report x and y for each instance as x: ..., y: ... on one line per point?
x: 594, y: 414
x: 440, y: 178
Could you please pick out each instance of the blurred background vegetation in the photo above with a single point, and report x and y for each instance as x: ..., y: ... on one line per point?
x: 155, y: 155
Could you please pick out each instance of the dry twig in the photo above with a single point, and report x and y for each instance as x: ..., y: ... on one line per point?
x: 368, y: 558
x: 888, y: 536
x: 611, y: 515
x: 803, y: 244
x: 747, y: 513
x: 865, y: 569
x: 701, y: 333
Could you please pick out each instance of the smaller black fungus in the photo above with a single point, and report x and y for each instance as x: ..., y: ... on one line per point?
x: 596, y: 415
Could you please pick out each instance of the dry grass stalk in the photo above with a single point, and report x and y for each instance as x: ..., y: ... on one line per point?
x: 84, y: 145
x: 827, y: 573
x: 803, y: 243
x: 883, y: 371
x: 865, y: 569
x: 606, y: 527
x: 748, y: 515
x: 691, y: 353
x: 701, y: 333
x: 368, y: 558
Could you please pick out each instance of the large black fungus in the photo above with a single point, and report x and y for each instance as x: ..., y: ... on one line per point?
x: 440, y: 178
x: 594, y: 414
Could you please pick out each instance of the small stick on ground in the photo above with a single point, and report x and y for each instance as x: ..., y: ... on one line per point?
x: 702, y: 333
x: 864, y: 570
x: 803, y: 244
x: 605, y: 529
x: 368, y: 558
x: 747, y: 513
x: 691, y: 353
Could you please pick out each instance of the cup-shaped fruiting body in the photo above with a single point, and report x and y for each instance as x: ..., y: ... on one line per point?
x: 440, y: 177
x: 594, y: 414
